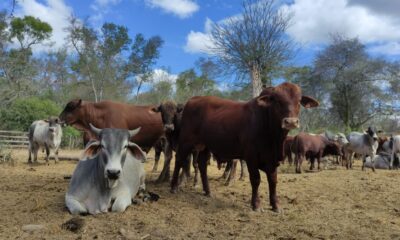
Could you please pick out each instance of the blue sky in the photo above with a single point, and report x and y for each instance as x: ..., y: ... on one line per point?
x: 184, y: 24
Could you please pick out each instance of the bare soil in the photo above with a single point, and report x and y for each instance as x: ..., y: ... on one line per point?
x: 330, y: 204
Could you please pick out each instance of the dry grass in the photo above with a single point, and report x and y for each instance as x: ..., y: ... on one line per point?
x: 331, y: 204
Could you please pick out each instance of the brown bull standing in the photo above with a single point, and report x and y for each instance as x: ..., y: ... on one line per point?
x: 253, y: 131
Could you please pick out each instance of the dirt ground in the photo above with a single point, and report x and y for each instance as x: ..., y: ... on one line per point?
x: 331, y: 204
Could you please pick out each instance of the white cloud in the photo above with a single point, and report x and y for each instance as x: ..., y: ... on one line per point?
x: 54, y: 12
x: 101, y: 8
x: 315, y: 20
x: 180, y: 8
x: 160, y: 75
x: 200, y: 42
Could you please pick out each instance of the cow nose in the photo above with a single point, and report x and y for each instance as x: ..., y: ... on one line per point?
x: 290, y: 123
x: 169, y: 127
x: 113, y: 174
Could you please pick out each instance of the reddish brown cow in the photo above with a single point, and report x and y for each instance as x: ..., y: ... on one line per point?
x: 108, y: 114
x: 253, y: 131
x: 311, y: 147
x: 287, y: 149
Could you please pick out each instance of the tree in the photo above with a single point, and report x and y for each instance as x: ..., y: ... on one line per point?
x: 189, y: 84
x: 144, y: 53
x: 29, y: 31
x: 352, y: 79
x: 100, y: 64
x: 253, y: 43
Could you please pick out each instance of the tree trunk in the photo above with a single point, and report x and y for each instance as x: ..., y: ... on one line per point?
x: 256, y: 80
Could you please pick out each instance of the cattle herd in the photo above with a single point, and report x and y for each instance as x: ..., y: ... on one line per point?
x: 117, y: 137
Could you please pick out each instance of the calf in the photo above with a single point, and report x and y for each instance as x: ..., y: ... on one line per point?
x: 111, y: 169
x: 311, y: 147
x: 47, y: 134
x: 364, y: 144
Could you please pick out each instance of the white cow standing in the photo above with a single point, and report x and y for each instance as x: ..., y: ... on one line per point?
x: 361, y: 143
x: 47, y: 134
x: 112, y: 169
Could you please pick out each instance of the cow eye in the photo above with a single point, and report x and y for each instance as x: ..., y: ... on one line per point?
x: 126, y: 146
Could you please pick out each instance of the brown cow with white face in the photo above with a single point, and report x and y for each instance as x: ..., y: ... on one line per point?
x: 253, y: 131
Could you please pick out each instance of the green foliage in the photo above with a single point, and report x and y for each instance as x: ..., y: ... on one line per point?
x: 29, y: 30
x: 22, y: 112
x: 71, y: 138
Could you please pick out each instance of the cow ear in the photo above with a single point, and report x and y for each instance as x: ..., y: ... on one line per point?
x: 179, y: 107
x: 92, y: 149
x: 265, y: 100
x: 156, y: 109
x: 79, y: 103
x: 309, y: 102
x: 137, y: 152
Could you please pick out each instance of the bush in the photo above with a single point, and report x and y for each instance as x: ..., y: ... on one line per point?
x: 22, y: 112
x: 71, y: 138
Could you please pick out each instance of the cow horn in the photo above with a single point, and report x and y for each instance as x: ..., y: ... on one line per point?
x: 134, y: 132
x: 94, y: 129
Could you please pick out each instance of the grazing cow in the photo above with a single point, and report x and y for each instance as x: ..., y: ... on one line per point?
x: 364, y: 144
x: 395, y: 147
x: 287, y: 149
x: 47, y: 134
x: 311, y: 147
x: 384, y: 144
x: 112, y: 169
x: 341, y: 139
x: 253, y: 131
x: 108, y: 114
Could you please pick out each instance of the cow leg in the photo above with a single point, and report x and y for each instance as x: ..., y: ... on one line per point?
x: 227, y: 170
x: 30, y: 153
x: 121, y: 202
x: 181, y: 159
x: 299, y: 161
x: 363, y: 162
x: 74, y: 206
x: 157, y: 155
x: 392, y: 159
x: 290, y: 159
x: 255, y: 180
x: 195, y: 156
x: 232, y: 174
x: 56, y: 155
x: 35, y: 152
x: 243, y: 173
x: 164, y: 175
x: 47, y: 154
x: 272, y: 176
x: 312, y: 161
x: 202, y: 161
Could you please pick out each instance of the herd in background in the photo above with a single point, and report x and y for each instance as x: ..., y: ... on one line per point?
x: 376, y: 152
x: 253, y: 133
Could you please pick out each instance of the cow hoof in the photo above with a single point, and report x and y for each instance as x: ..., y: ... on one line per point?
x: 259, y: 210
x: 207, y: 194
x: 277, y: 210
x: 174, y: 190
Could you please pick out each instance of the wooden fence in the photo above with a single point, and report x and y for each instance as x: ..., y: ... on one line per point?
x: 14, y: 139
x: 19, y: 139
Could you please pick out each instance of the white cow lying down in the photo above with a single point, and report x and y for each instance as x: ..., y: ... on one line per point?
x: 381, y: 161
x: 111, y: 169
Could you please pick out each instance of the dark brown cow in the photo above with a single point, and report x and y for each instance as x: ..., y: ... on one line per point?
x: 311, y: 147
x: 287, y: 149
x: 108, y: 114
x: 253, y: 131
x: 171, y: 115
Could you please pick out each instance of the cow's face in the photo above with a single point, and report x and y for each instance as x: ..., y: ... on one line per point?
x: 342, y: 140
x: 54, y: 122
x: 170, y: 114
x: 113, y: 147
x: 284, y: 103
x: 334, y: 148
x: 372, y: 133
x: 71, y: 112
